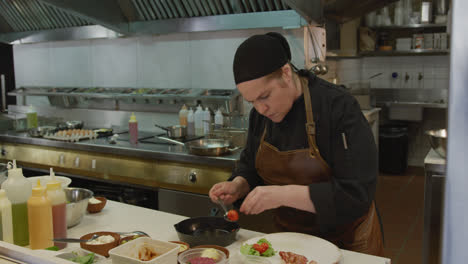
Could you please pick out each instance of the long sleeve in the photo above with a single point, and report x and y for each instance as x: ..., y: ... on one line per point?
x: 352, y: 188
x: 246, y: 165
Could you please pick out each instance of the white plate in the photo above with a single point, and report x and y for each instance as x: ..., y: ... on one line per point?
x: 313, y: 248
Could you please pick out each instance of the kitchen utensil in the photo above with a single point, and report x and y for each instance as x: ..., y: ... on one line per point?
x: 176, y: 131
x: 96, y: 208
x: 101, y: 249
x: 133, y: 232
x: 185, y: 257
x: 223, y: 249
x: 75, y: 240
x: 78, y: 202
x: 205, y: 147
x: 74, y: 124
x: 221, y: 203
x: 130, y: 252
x: 41, y: 131
x: 438, y: 140
x: 208, y: 230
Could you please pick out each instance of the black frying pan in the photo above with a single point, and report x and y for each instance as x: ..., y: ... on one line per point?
x: 208, y: 230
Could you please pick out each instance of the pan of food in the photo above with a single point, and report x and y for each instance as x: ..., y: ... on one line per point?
x: 207, y: 230
x: 206, y: 146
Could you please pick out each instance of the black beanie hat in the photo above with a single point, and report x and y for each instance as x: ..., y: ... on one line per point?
x: 260, y: 55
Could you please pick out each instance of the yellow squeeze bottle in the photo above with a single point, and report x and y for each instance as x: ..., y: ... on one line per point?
x: 41, y: 230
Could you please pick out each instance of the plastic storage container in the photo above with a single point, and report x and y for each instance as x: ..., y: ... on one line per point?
x: 133, y: 129
x: 190, y: 123
x: 219, y: 121
x: 57, y: 197
x: 18, y: 190
x: 198, y: 117
x: 206, y: 121
x: 393, y: 148
x: 128, y: 252
x: 183, y: 116
x: 40, y: 225
x: 6, y: 225
x: 31, y: 118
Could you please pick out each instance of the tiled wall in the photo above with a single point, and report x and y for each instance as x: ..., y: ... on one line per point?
x: 433, y: 69
x: 435, y: 82
x: 184, y: 60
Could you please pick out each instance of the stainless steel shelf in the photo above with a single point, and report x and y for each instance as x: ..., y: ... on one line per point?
x: 412, y: 26
x: 414, y: 52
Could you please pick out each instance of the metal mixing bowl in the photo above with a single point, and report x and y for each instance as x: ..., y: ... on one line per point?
x: 438, y: 140
x: 77, y: 203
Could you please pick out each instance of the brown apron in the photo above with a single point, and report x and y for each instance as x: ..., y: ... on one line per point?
x: 304, y: 167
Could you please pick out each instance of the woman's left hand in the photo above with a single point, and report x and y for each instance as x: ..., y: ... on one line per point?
x: 263, y: 198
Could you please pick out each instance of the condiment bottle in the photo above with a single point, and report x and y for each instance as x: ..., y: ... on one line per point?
x: 198, y: 116
x: 190, y: 123
x: 133, y: 129
x: 219, y: 120
x: 206, y: 121
x: 41, y: 230
x: 18, y: 190
x: 6, y: 225
x: 183, y: 116
x: 31, y: 118
x: 57, y: 197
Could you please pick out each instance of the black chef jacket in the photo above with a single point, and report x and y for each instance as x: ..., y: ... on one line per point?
x: 354, y: 170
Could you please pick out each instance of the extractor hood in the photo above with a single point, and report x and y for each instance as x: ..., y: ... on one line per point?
x: 25, y: 21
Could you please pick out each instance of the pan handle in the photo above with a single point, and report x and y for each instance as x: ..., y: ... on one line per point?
x: 161, y: 127
x: 171, y: 140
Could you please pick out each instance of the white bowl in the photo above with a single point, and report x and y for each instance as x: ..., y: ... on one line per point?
x: 189, y: 254
x: 128, y: 252
x: 46, y: 178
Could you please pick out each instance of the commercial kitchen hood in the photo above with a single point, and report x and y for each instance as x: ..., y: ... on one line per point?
x: 26, y: 21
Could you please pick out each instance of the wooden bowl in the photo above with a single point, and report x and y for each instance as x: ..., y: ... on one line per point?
x: 129, y: 238
x: 96, y: 208
x: 223, y: 249
x: 102, y: 249
x: 181, y: 243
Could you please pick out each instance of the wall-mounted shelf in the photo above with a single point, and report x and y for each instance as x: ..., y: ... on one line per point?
x: 414, y: 52
x: 412, y: 26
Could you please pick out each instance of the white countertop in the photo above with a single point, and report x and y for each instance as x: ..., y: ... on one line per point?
x: 159, y: 225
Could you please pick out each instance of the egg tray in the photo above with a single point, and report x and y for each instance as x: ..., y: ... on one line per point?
x: 72, y: 138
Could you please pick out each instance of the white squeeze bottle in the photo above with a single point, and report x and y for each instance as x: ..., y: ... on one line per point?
x: 219, y: 120
x: 183, y: 116
x: 18, y: 190
x: 198, y: 116
x: 206, y: 121
x: 57, y: 197
x: 190, y: 123
x: 6, y: 226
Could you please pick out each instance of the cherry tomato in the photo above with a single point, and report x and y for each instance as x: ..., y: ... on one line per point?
x: 260, y: 247
x: 233, y: 215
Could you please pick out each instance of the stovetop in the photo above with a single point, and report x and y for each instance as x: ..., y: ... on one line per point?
x: 155, y: 140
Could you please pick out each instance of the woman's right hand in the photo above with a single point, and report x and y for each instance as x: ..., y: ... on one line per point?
x: 229, y: 191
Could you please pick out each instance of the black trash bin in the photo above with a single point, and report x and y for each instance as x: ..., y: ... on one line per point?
x: 393, y: 148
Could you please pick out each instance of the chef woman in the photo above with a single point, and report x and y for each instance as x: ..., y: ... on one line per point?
x: 310, y: 153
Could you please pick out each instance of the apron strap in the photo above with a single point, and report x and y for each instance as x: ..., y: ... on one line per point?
x: 310, y: 125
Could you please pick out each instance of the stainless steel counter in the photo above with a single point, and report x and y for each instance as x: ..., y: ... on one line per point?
x: 434, y: 182
x: 164, y: 152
